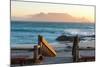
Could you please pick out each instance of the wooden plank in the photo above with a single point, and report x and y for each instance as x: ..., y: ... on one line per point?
x: 87, y: 58
x: 28, y: 49
x: 86, y: 48
x: 75, y: 51
x: 47, y: 49
x: 37, y: 56
x: 36, y: 52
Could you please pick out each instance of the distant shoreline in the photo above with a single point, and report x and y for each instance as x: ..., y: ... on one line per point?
x: 53, y: 22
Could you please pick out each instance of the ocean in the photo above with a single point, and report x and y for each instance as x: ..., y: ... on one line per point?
x: 23, y: 32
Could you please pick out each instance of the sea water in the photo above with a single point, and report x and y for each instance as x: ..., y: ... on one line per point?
x: 24, y: 32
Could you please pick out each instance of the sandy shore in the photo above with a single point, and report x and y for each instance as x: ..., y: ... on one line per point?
x: 63, y: 49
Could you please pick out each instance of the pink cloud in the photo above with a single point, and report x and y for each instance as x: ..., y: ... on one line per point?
x: 56, y: 17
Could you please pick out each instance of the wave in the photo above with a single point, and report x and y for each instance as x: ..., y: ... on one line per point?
x: 81, y: 32
x: 22, y: 33
x: 41, y: 30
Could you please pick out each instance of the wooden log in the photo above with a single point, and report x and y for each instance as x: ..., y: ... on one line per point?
x: 26, y: 49
x: 40, y: 49
x: 86, y: 48
x: 40, y: 44
x: 20, y: 61
x: 87, y: 58
x: 75, y: 51
x: 35, y: 54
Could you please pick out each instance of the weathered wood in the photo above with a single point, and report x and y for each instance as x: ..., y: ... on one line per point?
x: 46, y: 49
x: 43, y: 48
x: 75, y: 51
x: 87, y: 58
x: 35, y: 54
x: 28, y: 49
x: 40, y: 44
x: 86, y: 49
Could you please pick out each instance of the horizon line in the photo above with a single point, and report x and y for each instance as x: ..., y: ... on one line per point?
x: 51, y: 21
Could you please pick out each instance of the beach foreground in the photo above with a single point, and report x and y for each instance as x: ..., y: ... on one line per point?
x: 64, y: 52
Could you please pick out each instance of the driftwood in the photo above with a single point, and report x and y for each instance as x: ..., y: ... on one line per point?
x: 75, y: 52
x: 46, y: 49
x: 37, y: 58
x: 43, y: 49
x: 39, y: 51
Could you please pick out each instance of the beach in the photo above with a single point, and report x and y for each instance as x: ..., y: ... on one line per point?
x: 24, y: 36
x: 64, y: 53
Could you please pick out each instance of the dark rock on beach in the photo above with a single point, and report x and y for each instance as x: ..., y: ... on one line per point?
x: 65, y: 38
x: 69, y: 47
x: 88, y: 36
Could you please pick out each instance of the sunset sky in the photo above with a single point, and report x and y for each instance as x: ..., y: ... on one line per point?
x: 51, y: 12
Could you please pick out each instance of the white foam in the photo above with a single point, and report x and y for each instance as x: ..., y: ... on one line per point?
x: 79, y: 31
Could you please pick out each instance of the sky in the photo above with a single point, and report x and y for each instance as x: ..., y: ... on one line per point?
x: 51, y: 12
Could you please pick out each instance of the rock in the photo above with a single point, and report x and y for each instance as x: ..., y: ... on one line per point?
x: 69, y: 47
x: 65, y: 38
x: 89, y: 47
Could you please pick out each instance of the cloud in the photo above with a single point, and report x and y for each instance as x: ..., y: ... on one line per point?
x: 54, y: 17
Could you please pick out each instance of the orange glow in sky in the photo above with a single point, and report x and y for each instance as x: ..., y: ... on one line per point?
x: 23, y: 9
